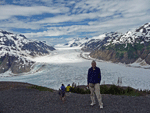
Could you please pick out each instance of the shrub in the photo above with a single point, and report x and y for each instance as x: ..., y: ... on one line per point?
x: 104, y: 89
x: 79, y: 90
x: 129, y: 89
x: 114, y: 90
x: 87, y: 91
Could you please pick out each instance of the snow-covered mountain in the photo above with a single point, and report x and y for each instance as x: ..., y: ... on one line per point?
x: 125, y: 48
x: 16, y: 49
x: 97, y: 42
x: 140, y: 35
x: 77, y: 42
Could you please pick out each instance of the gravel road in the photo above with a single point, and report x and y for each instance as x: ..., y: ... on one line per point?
x: 23, y: 100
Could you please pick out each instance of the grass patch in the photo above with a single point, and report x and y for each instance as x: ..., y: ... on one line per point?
x: 40, y: 88
x: 114, y: 90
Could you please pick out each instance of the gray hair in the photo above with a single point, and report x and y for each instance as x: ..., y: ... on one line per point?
x: 93, y: 62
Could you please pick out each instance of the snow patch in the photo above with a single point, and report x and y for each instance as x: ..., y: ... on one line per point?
x: 100, y: 37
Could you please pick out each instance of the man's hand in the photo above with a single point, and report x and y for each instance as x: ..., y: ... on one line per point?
x: 88, y: 86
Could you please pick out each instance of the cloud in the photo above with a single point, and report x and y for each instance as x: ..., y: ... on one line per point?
x: 8, y: 11
x: 66, y: 18
x: 75, y: 17
x: 2, y: 2
x: 15, y: 23
x: 52, y: 41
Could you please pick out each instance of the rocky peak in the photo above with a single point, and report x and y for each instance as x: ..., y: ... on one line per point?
x: 144, y: 29
x: 139, y: 35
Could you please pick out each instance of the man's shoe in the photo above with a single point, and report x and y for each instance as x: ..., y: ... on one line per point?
x: 101, y: 106
x: 93, y: 103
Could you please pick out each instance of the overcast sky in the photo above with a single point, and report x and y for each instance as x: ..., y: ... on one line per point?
x: 56, y: 20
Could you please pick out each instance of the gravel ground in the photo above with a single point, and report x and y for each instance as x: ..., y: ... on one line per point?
x: 23, y: 100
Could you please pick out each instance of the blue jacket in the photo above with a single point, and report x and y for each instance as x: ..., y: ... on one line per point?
x: 63, y: 88
x: 94, y: 76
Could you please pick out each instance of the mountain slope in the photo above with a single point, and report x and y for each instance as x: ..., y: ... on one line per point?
x: 15, y: 51
x: 127, y: 48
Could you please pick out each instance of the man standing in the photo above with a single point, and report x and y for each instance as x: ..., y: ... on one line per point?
x: 93, y: 79
x: 63, y: 92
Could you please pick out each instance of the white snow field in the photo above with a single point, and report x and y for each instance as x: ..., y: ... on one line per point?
x: 66, y: 66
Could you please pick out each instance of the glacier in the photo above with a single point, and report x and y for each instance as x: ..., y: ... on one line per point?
x: 65, y: 65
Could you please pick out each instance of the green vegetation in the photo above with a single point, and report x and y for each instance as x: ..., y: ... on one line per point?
x: 40, y: 88
x: 104, y: 89
x: 79, y: 90
x: 120, y: 54
x: 148, y: 47
x: 114, y: 90
x: 131, y: 50
x: 120, y: 47
x: 138, y: 46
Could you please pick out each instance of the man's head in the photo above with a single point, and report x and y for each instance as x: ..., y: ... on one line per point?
x: 93, y: 63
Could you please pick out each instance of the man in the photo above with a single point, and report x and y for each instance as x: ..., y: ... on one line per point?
x: 62, y: 93
x: 93, y: 79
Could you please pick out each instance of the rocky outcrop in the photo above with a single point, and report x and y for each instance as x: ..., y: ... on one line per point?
x: 15, y: 64
x: 147, y: 59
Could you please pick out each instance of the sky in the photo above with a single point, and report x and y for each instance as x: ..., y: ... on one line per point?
x: 57, y: 21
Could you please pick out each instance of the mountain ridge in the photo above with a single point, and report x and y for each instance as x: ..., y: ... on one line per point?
x: 15, y: 51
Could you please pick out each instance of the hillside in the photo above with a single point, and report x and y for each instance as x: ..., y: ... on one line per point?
x: 125, y: 48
